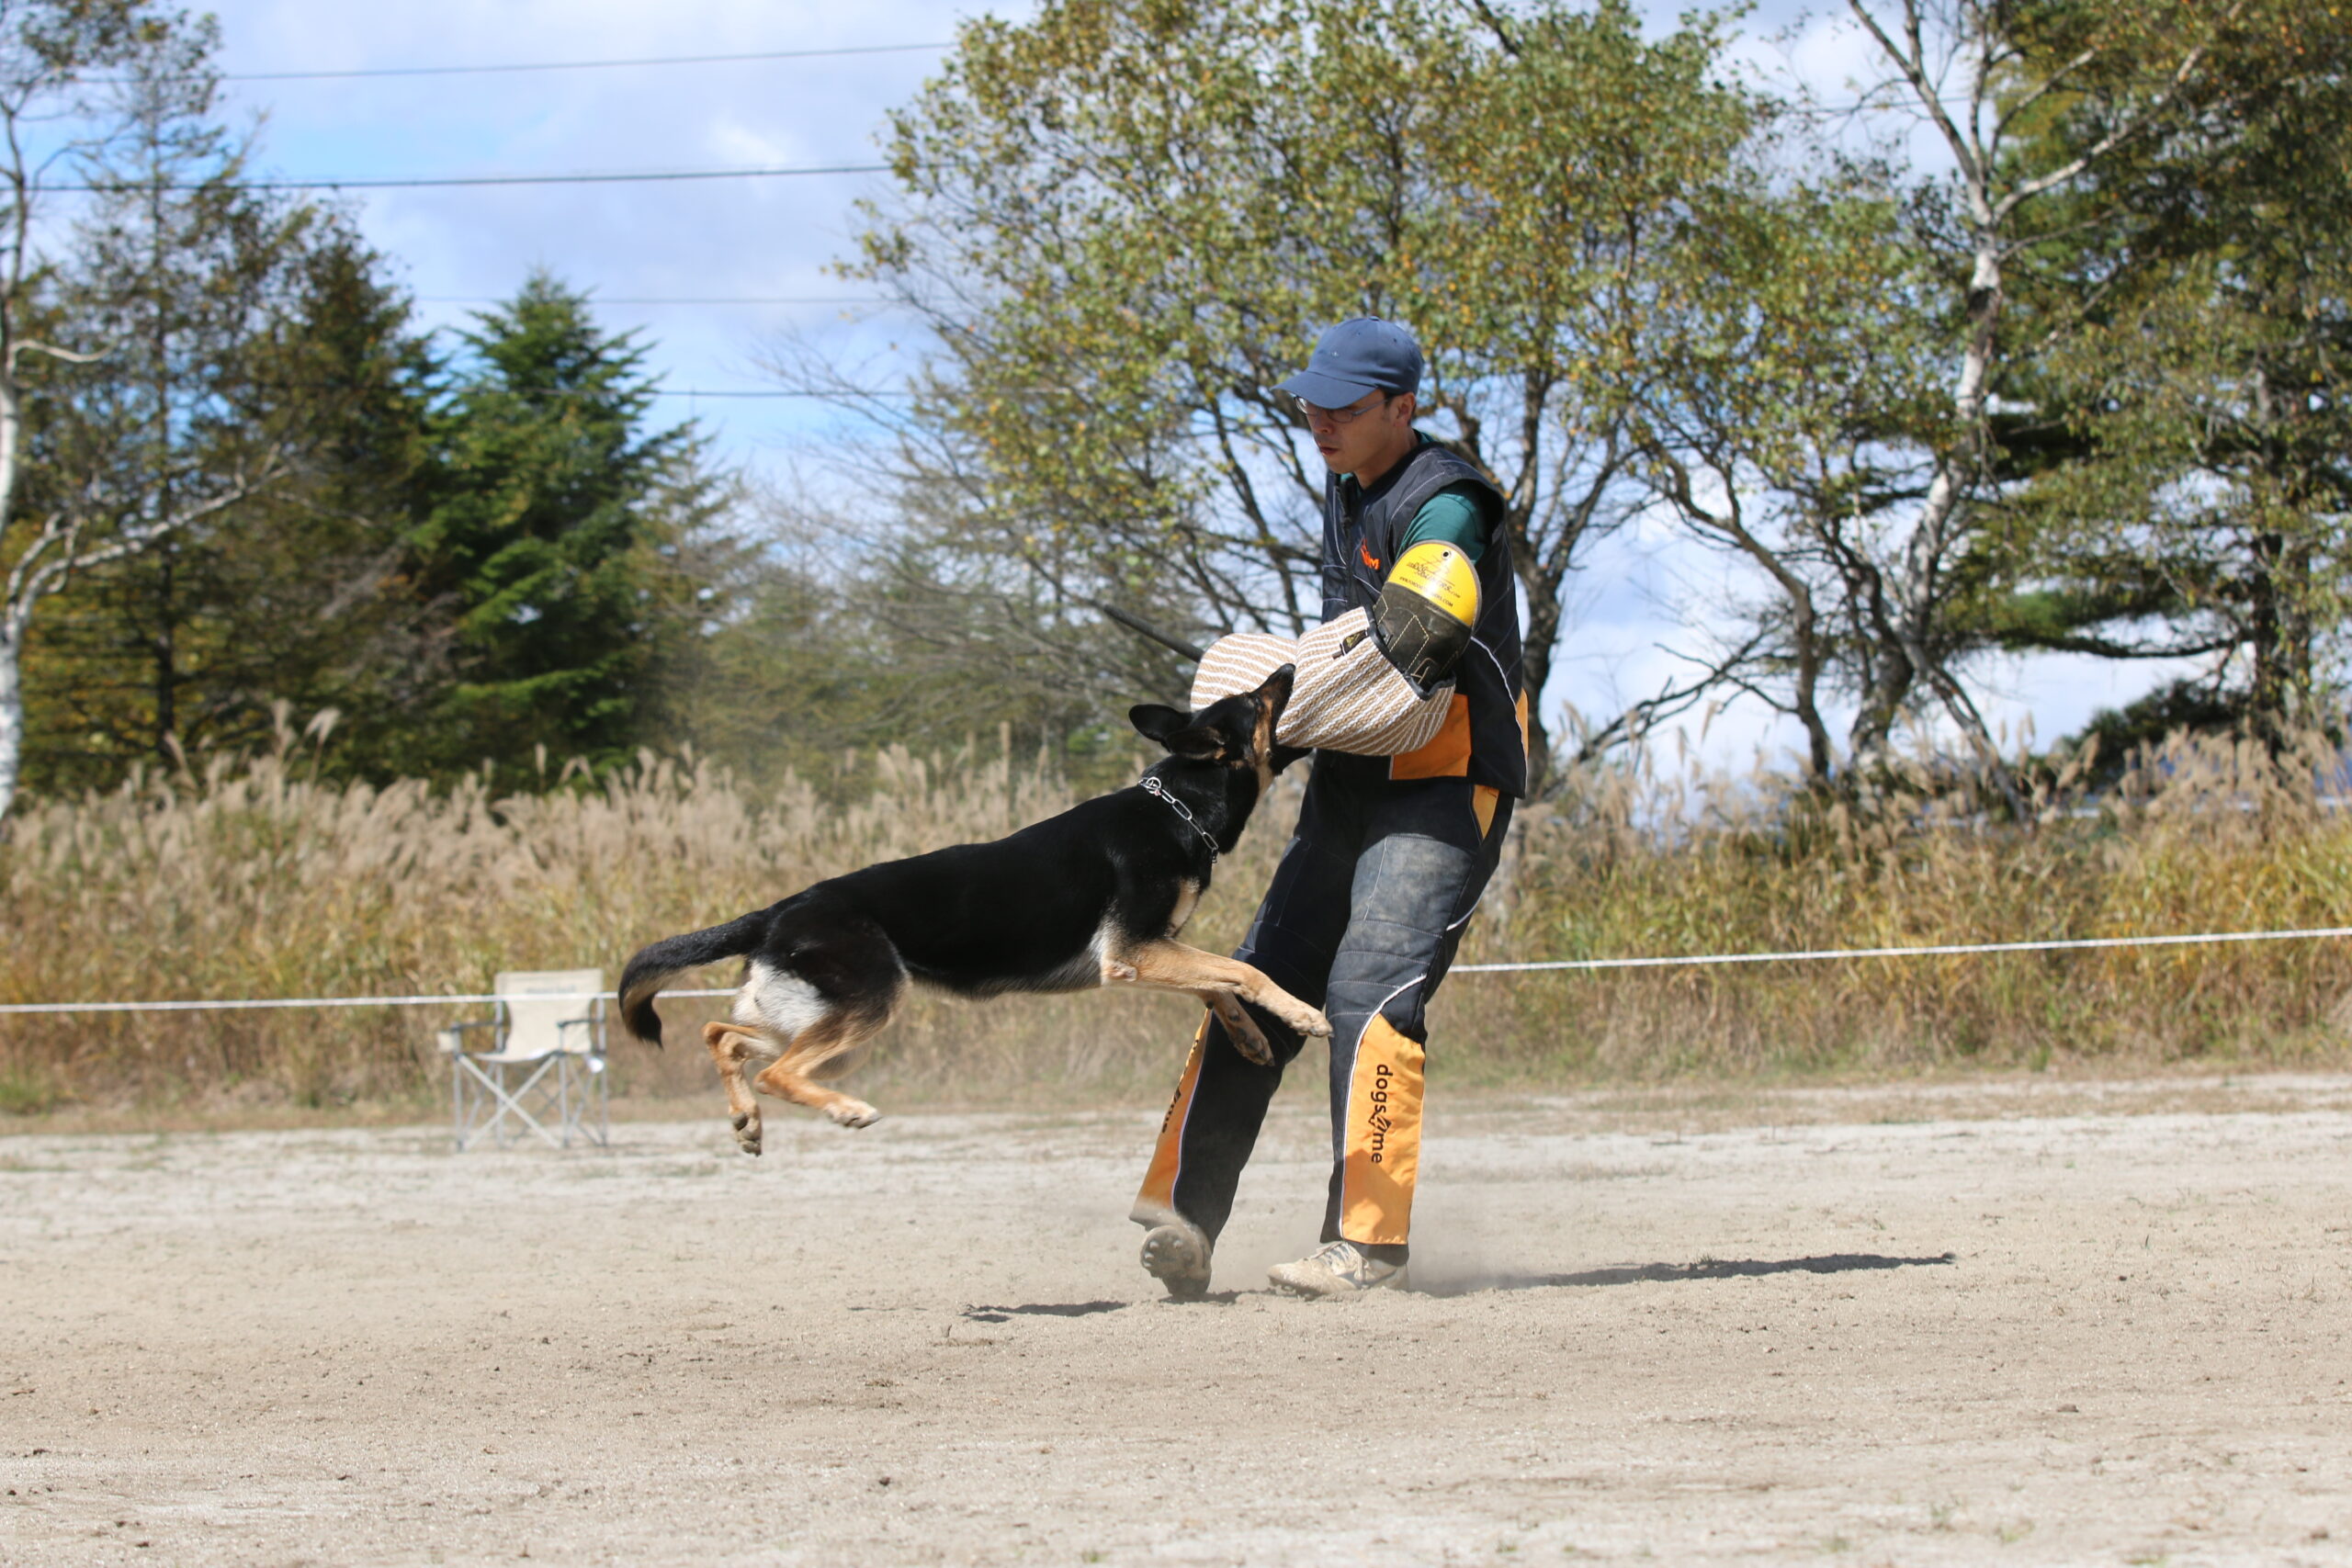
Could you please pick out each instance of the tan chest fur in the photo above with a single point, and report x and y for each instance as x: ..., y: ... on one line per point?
x: 1188, y: 897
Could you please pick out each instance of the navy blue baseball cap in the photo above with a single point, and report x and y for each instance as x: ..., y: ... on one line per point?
x: 1363, y: 355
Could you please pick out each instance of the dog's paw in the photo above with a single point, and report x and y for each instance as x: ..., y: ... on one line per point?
x: 1248, y: 1038
x: 853, y: 1113
x: 747, y: 1133
x: 1296, y: 1015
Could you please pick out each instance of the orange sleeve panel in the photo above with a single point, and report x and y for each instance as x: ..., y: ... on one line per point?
x: 1447, y: 755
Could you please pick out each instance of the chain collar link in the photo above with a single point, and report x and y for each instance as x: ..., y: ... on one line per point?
x: 1151, y: 786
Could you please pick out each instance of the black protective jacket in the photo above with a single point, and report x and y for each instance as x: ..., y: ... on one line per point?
x: 1484, y: 738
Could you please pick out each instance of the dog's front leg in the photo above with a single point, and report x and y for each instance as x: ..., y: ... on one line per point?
x: 1239, y: 1027
x: 1255, y: 988
x: 1166, y: 965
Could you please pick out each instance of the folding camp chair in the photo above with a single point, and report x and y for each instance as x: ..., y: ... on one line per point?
x: 546, y: 1054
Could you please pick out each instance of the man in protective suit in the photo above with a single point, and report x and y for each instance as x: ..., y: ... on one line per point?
x: 1392, y: 853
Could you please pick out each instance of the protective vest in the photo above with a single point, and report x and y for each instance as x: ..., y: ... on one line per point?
x: 1484, y: 738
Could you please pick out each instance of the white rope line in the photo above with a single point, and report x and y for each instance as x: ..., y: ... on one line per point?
x: 1941, y: 950
x: 249, y: 1004
x: 2050, y: 947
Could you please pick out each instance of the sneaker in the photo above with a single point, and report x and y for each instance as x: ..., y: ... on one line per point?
x: 1337, y: 1268
x: 1176, y: 1255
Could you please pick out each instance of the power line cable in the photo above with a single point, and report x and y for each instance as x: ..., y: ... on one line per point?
x: 705, y: 393
x: 534, y: 65
x: 447, y: 181
x: 676, y: 299
x: 532, y: 392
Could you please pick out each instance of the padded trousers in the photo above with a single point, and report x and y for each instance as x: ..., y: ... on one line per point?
x: 1362, y: 918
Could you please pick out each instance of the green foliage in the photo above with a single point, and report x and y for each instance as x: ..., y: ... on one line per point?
x: 2075, y: 394
x: 491, y: 562
x: 2188, y: 464
x: 1793, y: 378
x: 833, y: 646
x: 1128, y: 219
x: 296, y: 596
x: 554, y: 533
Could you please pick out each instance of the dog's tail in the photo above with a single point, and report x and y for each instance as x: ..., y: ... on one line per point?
x: 657, y: 965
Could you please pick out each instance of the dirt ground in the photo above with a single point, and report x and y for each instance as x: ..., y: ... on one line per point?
x: 2014, y: 1323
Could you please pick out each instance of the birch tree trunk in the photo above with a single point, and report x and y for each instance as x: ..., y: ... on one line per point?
x: 1934, y: 45
x: 12, y: 718
x: 52, y: 55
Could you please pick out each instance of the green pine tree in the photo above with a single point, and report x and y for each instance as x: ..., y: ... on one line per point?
x: 557, y: 538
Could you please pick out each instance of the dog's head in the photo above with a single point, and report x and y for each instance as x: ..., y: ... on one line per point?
x: 1235, y: 732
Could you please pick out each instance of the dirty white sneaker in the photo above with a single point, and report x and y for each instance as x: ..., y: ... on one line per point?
x: 1176, y: 1255
x: 1337, y: 1268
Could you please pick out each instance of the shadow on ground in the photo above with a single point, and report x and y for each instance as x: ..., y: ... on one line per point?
x: 1439, y: 1282
x: 1443, y: 1284
x: 1040, y: 1309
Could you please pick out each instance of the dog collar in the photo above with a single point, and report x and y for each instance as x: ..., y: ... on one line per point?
x: 1151, y: 787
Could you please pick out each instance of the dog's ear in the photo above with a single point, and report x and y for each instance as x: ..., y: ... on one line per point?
x: 1174, y: 729
x: 1156, y: 721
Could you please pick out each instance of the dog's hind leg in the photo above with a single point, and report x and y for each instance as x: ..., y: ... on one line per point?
x: 832, y: 984
x: 790, y: 1075
x: 730, y: 1047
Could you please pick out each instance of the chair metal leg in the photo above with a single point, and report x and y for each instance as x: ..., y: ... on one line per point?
x: 582, y: 1092
x: 569, y: 1088
x: 487, y: 1104
x: 567, y: 1118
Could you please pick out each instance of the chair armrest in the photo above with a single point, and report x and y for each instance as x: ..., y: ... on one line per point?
x: 451, y: 1037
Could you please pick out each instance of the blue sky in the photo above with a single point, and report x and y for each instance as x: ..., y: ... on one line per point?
x: 773, y: 239
x: 727, y: 239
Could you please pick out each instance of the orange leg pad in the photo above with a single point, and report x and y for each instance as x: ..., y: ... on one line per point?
x: 1157, y: 1199
x: 1383, y: 1146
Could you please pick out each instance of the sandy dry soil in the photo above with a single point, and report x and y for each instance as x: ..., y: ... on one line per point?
x: 2013, y: 1324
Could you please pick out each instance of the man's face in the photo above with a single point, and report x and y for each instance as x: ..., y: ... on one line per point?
x: 1357, y: 436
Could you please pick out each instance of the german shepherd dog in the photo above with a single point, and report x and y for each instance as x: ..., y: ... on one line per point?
x: 1094, y: 896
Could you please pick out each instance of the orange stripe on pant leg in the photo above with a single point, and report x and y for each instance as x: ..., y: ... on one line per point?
x: 1156, y: 1202
x: 1383, y: 1149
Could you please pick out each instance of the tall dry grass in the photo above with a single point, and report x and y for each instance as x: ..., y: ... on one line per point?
x: 256, y: 880
x: 2201, y: 835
